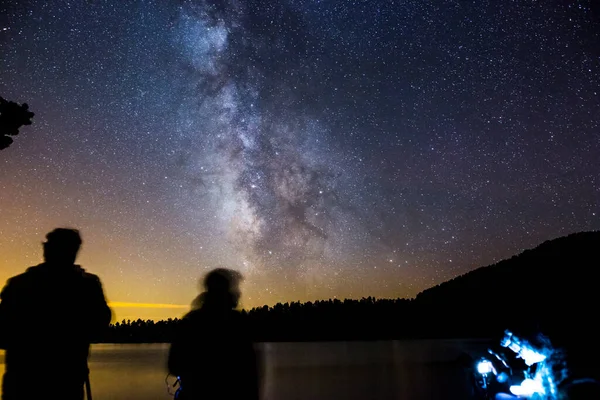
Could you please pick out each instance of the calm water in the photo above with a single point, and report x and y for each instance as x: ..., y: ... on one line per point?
x: 409, y: 370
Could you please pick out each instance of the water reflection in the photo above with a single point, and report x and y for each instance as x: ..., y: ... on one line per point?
x: 296, y: 371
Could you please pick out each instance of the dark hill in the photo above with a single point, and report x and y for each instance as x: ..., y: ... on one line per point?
x: 552, y: 288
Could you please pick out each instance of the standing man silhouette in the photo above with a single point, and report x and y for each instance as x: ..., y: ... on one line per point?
x: 213, y: 353
x: 49, y: 315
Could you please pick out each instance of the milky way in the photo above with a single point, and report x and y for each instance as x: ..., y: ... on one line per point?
x: 324, y: 148
x: 271, y: 173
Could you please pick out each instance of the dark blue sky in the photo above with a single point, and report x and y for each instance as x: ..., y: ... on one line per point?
x: 324, y: 148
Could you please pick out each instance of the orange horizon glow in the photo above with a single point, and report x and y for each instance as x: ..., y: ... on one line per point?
x: 122, y: 304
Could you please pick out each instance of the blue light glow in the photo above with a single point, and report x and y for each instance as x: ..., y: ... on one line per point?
x: 485, y: 367
x: 540, y: 384
x: 523, y: 349
x: 502, y: 377
x: 528, y: 388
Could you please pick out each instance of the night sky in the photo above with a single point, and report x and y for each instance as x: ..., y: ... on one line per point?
x: 323, y: 148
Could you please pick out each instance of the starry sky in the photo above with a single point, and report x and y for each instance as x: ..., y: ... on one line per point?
x: 324, y: 148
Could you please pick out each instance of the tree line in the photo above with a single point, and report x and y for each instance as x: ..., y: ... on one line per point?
x: 332, y: 319
x: 548, y: 289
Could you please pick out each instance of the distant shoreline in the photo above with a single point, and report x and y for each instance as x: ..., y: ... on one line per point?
x: 524, y: 294
x: 461, y: 339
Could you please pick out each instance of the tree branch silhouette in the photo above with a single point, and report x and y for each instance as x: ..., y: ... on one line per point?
x: 12, y: 117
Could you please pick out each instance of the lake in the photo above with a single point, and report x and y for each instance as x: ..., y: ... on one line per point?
x: 412, y: 370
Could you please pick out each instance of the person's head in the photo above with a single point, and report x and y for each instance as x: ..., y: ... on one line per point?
x: 61, y: 246
x: 222, y: 288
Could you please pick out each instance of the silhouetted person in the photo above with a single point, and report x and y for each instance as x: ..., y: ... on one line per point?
x: 48, y: 317
x: 213, y: 353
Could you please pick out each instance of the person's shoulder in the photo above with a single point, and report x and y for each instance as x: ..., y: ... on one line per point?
x: 29, y: 274
x: 192, y: 321
x: 194, y: 315
x: 21, y: 281
x: 87, y: 276
x: 12, y: 283
x: 90, y: 277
